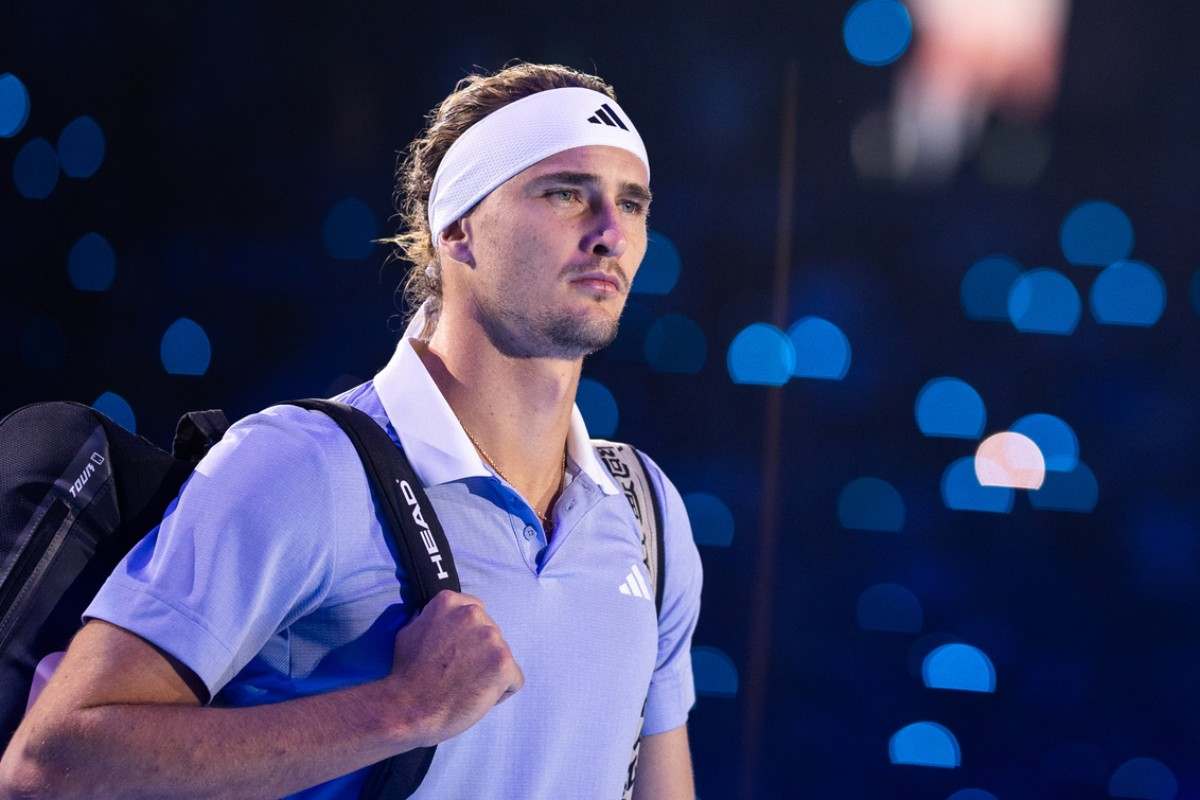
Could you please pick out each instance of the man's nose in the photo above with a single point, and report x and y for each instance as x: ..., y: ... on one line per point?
x: 606, y: 238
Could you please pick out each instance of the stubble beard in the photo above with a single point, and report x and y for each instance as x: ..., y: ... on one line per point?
x: 518, y: 331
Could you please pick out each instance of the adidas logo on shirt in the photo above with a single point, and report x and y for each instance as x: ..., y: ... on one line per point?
x: 635, y: 585
x: 604, y: 115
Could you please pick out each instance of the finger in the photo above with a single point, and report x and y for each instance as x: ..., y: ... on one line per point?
x: 518, y: 679
x: 453, y: 598
x: 513, y: 688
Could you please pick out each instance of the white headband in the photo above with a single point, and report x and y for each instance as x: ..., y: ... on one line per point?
x: 519, y: 135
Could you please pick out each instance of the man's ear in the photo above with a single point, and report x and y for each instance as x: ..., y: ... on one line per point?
x: 456, y: 239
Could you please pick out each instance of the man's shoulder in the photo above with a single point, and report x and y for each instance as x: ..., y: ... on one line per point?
x: 285, y: 423
x: 656, y: 474
x: 676, y: 526
x: 673, y: 515
x: 289, y: 438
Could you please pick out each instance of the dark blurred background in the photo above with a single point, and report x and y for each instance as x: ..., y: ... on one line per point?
x: 846, y: 162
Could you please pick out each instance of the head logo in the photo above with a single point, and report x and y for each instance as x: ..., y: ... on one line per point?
x: 435, y: 555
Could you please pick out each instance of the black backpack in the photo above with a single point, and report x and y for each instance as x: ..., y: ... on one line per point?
x: 78, y: 491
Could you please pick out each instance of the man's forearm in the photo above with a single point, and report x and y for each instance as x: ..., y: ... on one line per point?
x: 665, y: 767
x: 139, y: 751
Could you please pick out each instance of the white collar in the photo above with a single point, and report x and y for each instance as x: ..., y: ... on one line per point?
x: 434, y: 439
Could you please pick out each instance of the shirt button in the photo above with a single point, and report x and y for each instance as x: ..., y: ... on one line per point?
x: 530, y: 532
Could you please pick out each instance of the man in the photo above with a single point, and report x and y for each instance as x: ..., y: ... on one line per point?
x: 270, y: 585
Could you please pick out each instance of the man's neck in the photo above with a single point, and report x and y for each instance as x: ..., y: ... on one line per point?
x: 517, y: 410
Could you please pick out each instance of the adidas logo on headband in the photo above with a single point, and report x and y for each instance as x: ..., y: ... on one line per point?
x: 606, y: 116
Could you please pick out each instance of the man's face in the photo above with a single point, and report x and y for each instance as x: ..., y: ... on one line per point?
x: 554, y: 251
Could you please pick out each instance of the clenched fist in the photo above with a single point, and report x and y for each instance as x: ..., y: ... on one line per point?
x: 451, y: 666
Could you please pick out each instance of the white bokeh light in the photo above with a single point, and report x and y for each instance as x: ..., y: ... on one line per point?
x: 1010, y: 459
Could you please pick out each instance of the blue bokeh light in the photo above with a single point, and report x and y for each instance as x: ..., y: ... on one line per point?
x: 870, y: 504
x: 959, y: 667
x: 598, y: 407
x: 35, y: 169
x: 43, y: 345
x: 962, y: 491
x: 348, y: 230
x: 81, y: 147
x: 971, y: 794
x: 91, y: 264
x: 1145, y: 779
x: 1056, y: 440
x: 1128, y: 293
x: 822, y: 350
x: 762, y: 355
x: 116, y: 408
x: 1075, y: 491
x: 1096, y: 234
x: 877, y: 32
x: 986, y: 285
x: 660, y: 267
x: 925, y: 744
x: 14, y: 105
x: 890, y: 607
x: 950, y: 407
x: 1044, y: 301
x: 712, y: 521
x: 185, y: 349
x: 715, y: 673
x: 675, y: 343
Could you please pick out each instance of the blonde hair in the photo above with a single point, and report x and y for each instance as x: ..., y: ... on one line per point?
x: 473, y: 98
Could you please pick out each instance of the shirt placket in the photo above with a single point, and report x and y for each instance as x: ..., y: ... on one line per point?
x: 578, y: 496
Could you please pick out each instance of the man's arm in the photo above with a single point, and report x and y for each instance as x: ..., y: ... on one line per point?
x: 664, y: 769
x: 118, y: 721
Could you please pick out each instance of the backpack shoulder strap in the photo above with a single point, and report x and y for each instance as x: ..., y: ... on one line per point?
x: 197, y: 432
x: 422, y: 550
x: 420, y: 541
x: 628, y: 469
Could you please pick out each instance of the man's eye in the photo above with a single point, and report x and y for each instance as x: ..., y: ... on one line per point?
x: 565, y: 195
x: 633, y: 207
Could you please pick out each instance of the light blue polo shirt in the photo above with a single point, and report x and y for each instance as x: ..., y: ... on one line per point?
x: 271, y: 577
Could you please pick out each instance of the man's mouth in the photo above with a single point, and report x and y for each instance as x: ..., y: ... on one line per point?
x: 600, y: 281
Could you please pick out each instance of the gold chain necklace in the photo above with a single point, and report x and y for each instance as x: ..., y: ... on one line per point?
x: 545, y: 518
